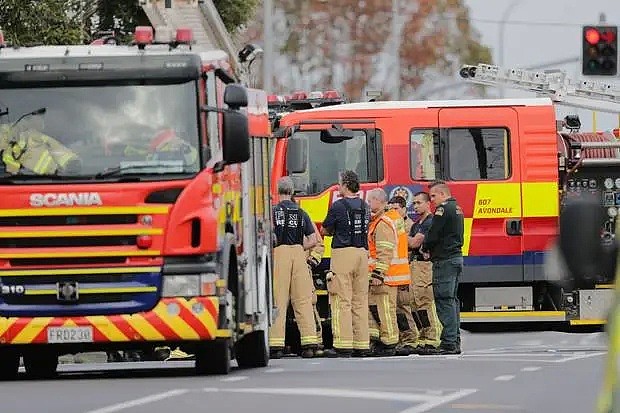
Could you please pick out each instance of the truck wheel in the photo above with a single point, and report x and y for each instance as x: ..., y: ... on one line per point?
x: 41, y: 365
x: 9, y: 364
x: 213, y: 357
x: 252, y: 350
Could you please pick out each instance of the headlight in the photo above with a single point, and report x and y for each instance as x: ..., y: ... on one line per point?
x: 181, y: 286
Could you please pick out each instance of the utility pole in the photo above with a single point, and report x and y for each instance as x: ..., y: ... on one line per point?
x: 396, y: 37
x: 268, y: 56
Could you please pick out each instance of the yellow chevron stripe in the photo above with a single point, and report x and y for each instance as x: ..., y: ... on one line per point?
x: 205, y: 317
x: 98, y: 290
x: 33, y: 329
x: 40, y: 212
x: 139, y: 323
x: 108, y: 328
x: 85, y: 271
x: 222, y: 333
x: 71, y: 254
x: 82, y: 233
x: 5, y: 323
x: 468, y: 222
x: 176, y: 324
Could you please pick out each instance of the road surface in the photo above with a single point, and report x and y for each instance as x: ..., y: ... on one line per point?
x: 503, y: 372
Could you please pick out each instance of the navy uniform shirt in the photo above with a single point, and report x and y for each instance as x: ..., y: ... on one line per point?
x: 343, y: 221
x: 291, y: 223
x: 445, y: 236
x: 420, y: 227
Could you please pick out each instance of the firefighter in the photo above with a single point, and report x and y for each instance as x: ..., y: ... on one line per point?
x: 26, y: 149
x: 315, y: 255
x: 389, y: 269
x: 408, y: 340
x: 292, y: 279
x: 347, y: 281
x: 423, y: 301
x: 443, y: 244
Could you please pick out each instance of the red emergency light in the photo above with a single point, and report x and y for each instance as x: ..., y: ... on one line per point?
x: 184, y: 35
x: 299, y: 95
x: 331, y: 94
x: 143, y: 35
x: 317, y: 94
x: 271, y: 99
x: 2, y: 44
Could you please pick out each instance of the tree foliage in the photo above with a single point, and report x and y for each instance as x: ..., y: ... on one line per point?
x: 76, y: 21
x: 348, y: 44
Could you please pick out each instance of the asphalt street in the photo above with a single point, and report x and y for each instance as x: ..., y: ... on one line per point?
x: 502, y: 372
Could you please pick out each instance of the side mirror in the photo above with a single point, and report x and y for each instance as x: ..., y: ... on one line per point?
x: 235, y: 96
x: 296, y: 156
x: 336, y: 134
x: 236, y: 137
x: 580, y: 242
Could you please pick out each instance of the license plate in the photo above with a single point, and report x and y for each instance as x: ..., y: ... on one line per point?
x: 69, y: 335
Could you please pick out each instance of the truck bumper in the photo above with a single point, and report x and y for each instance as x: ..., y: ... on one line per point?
x: 172, y: 320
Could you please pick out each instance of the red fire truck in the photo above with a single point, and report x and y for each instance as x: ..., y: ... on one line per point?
x: 134, y: 204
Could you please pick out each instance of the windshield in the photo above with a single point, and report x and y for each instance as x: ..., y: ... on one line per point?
x: 99, y: 131
x: 326, y: 160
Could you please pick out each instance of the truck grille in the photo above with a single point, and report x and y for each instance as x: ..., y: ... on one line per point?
x: 90, y: 246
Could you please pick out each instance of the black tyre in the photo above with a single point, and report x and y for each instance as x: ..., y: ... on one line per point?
x: 41, y: 365
x: 252, y: 351
x: 9, y: 364
x: 213, y: 357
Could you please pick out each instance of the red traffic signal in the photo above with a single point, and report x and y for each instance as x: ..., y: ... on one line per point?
x: 599, y: 50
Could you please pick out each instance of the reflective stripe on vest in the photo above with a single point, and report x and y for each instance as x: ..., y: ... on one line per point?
x: 397, y: 273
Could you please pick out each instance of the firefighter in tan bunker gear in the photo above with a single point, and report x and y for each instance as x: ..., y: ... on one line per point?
x: 422, y: 298
x: 315, y: 255
x: 347, y: 281
x: 25, y: 148
x: 407, y: 326
x: 389, y: 269
x: 294, y: 235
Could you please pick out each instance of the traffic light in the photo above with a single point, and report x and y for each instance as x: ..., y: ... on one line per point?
x: 600, y: 50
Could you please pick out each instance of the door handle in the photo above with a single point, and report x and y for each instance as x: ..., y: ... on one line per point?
x: 513, y: 226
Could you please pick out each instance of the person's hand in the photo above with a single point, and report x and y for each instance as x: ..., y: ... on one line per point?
x: 426, y: 255
x: 375, y: 282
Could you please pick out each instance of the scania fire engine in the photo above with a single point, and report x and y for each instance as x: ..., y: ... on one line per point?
x: 509, y: 164
x: 134, y: 204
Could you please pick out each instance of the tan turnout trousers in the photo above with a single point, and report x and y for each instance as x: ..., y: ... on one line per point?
x: 382, y: 321
x: 408, y: 330
x: 348, y: 298
x: 317, y: 319
x: 292, y: 280
x: 423, y: 303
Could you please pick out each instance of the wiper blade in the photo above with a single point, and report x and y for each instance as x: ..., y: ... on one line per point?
x: 158, y: 167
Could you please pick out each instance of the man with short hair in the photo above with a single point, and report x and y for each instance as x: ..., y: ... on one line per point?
x: 423, y: 300
x: 444, y: 242
x: 347, y: 282
x: 294, y: 235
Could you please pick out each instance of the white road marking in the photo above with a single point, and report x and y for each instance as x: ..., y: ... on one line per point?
x: 428, y: 401
x: 210, y: 390
x: 529, y: 343
x: 139, y: 402
x: 276, y: 370
x: 234, y: 378
x: 439, y: 401
x: 506, y: 377
x: 315, y: 362
x: 530, y: 369
x: 581, y: 356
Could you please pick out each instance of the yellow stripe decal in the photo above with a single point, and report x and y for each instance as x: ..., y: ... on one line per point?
x: 176, y: 324
x: 33, y: 329
x: 317, y: 210
x: 72, y: 211
x: 70, y: 254
x: 107, y: 328
x: 82, y: 233
x: 515, y: 314
x: 85, y: 271
x: 139, y: 323
x: 468, y: 222
x: 223, y: 333
x: 587, y: 322
x: 540, y: 199
x: 99, y: 290
x: 501, y: 200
